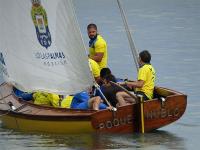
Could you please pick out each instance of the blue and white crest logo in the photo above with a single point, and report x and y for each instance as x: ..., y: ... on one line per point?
x: 39, y: 17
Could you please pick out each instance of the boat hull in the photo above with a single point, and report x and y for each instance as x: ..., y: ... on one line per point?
x: 29, y: 117
x: 47, y: 126
x: 156, y: 114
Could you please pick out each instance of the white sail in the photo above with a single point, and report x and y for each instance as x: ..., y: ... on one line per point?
x: 41, y: 46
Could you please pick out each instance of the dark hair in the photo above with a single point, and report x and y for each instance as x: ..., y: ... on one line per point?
x: 92, y: 25
x: 104, y: 72
x: 145, y: 56
x: 110, y: 77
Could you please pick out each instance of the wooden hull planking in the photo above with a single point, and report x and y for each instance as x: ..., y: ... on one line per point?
x: 47, y: 126
x: 29, y: 117
x: 156, y: 114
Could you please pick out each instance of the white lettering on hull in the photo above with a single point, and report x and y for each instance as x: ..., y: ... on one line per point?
x: 149, y: 115
x: 162, y: 113
x: 116, y: 122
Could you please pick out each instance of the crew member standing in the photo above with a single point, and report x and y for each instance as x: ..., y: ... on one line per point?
x: 97, y: 46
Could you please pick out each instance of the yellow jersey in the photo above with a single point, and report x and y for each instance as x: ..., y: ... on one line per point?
x: 94, y: 68
x: 99, y: 46
x: 147, y: 74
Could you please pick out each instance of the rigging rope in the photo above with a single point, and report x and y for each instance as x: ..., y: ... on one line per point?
x: 130, y: 39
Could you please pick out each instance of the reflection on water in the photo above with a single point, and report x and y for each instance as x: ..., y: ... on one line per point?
x: 161, y: 139
x: 156, y: 140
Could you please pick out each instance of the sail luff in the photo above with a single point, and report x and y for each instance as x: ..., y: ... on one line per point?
x: 76, y: 19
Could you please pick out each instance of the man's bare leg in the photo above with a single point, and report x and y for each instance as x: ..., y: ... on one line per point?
x: 94, y: 103
x: 123, y: 98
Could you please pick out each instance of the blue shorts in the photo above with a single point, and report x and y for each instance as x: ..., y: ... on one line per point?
x: 80, y: 101
x: 85, y: 105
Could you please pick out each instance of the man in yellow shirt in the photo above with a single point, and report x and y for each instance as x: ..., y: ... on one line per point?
x: 97, y: 46
x: 145, y: 82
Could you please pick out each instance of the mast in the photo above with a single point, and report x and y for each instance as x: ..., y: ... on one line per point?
x: 128, y: 33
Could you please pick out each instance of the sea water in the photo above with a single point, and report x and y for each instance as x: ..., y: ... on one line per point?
x: 169, y: 29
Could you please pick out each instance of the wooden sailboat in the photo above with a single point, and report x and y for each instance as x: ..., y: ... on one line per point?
x: 46, y: 53
x: 30, y: 117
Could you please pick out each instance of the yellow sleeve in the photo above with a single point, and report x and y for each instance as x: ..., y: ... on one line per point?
x: 96, y: 71
x: 95, y: 68
x: 142, y: 74
x: 100, y: 46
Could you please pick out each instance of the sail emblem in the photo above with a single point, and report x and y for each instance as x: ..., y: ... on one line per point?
x: 39, y: 17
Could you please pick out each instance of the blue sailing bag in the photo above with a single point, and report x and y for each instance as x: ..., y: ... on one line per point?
x: 80, y: 98
x: 24, y: 95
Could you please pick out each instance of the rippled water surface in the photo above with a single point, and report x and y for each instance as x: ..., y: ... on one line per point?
x: 169, y: 29
x: 157, y: 140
